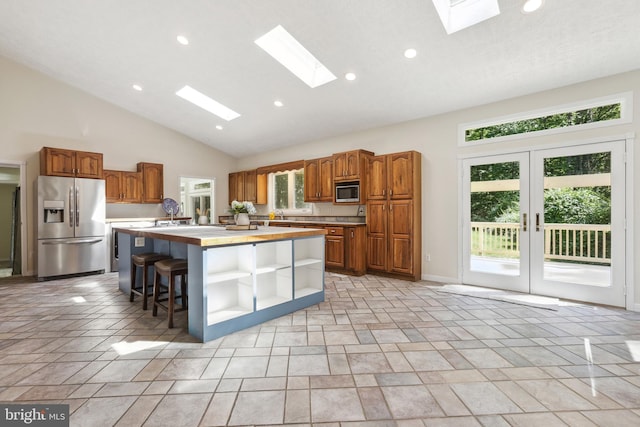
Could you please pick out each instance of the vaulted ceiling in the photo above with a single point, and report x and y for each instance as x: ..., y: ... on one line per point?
x: 104, y: 47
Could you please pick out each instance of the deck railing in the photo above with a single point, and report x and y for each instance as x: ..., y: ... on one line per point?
x: 570, y: 242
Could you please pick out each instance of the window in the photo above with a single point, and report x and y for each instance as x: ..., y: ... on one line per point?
x: 195, y: 197
x: 287, y: 192
x: 594, y: 113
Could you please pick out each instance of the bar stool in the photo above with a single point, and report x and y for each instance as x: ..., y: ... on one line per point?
x: 144, y: 261
x: 170, y: 268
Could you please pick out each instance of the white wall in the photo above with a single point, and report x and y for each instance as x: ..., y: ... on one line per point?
x: 436, y: 139
x: 37, y: 111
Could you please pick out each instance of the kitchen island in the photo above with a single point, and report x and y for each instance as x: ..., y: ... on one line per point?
x: 237, y: 278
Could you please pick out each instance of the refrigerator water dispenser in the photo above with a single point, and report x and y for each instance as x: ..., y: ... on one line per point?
x: 53, y: 211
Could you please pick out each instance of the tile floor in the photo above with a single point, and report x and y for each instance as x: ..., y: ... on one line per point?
x: 378, y: 352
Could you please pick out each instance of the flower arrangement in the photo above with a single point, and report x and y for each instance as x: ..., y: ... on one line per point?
x: 242, y: 207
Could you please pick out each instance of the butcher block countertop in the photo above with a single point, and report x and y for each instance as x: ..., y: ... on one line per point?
x: 211, y: 235
x: 115, y: 221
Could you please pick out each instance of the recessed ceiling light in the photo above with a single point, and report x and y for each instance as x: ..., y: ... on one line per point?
x: 459, y: 14
x: 350, y: 76
x: 219, y: 127
x: 182, y: 40
x: 530, y: 6
x: 410, y: 53
x: 278, y: 103
x: 137, y: 87
x: 289, y: 52
x: 206, y: 103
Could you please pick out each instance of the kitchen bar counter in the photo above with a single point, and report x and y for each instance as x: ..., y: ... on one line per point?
x: 237, y: 278
x: 211, y: 235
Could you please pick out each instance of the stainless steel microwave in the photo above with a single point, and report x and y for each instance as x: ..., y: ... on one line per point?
x: 348, y: 192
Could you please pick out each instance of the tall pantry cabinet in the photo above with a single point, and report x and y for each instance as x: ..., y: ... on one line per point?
x: 394, y: 224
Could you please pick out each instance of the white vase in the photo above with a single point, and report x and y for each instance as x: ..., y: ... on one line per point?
x: 203, y: 219
x: 242, y: 219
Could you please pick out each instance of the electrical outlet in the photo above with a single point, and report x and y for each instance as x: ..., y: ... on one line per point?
x: 139, y: 242
x: 427, y: 257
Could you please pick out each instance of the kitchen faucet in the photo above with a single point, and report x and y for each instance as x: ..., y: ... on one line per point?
x: 280, y: 213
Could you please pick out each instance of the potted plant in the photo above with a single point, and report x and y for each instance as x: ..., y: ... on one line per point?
x: 241, y: 211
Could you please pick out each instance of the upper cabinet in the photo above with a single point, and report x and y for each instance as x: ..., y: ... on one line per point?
x: 152, y: 182
x: 123, y: 186
x: 391, y: 176
x: 62, y: 162
x: 318, y: 180
x: 248, y: 186
x: 350, y: 165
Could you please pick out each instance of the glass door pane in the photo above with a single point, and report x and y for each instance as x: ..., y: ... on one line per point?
x: 579, y: 223
x: 496, y: 222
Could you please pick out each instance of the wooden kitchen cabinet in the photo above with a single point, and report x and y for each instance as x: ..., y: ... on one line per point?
x: 394, y: 225
x: 248, y: 186
x: 334, y: 248
x: 123, y: 186
x: 152, y: 182
x: 71, y: 163
x: 355, y: 239
x: 350, y: 165
x: 318, y: 180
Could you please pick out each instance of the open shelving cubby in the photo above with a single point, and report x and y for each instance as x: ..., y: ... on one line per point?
x: 229, y: 281
x: 309, y: 266
x: 274, y: 281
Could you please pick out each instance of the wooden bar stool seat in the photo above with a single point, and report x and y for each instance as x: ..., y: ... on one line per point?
x: 144, y: 261
x: 170, y: 268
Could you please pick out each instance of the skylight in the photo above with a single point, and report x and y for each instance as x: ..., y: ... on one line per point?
x: 206, y: 103
x: 288, y: 51
x: 459, y: 14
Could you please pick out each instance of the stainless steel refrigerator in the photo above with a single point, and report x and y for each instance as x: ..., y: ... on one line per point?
x: 71, y: 226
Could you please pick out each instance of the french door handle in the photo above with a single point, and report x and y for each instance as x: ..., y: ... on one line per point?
x: 524, y: 222
x: 537, y: 222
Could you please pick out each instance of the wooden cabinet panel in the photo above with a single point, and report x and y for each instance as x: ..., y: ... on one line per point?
x: 152, y: 182
x: 376, y: 178
x: 400, y: 175
x: 123, y: 187
x: 63, y: 162
x: 401, y: 226
x: 334, y: 251
x: 318, y: 180
x: 355, y: 238
x: 112, y: 186
x: 350, y: 165
x: 88, y: 165
x: 248, y: 186
x: 394, y: 231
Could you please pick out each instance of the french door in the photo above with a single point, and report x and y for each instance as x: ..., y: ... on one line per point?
x: 547, y: 222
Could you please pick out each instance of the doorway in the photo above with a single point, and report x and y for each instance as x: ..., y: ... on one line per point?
x: 12, y: 248
x: 548, y: 222
x: 196, y: 199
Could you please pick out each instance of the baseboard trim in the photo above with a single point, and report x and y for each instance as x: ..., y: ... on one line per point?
x: 441, y: 279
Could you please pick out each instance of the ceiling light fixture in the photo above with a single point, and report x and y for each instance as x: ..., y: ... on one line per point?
x: 137, y: 87
x: 219, y: 127
x: 206, y: 103
x: 289, y: 52
x: 182, y: 40
x: 278, y: 103
x: 350, y: 76
x: 530, y: 6
x: 459, y: 14
x: 410, y: 53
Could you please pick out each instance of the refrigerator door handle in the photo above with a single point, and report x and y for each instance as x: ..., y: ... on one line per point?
x: 77, y: 207
x: 72, y: 214
x: 72, y: 241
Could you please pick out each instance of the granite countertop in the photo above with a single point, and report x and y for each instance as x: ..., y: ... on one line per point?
x: 310, y: 222
x: 210, y: 235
